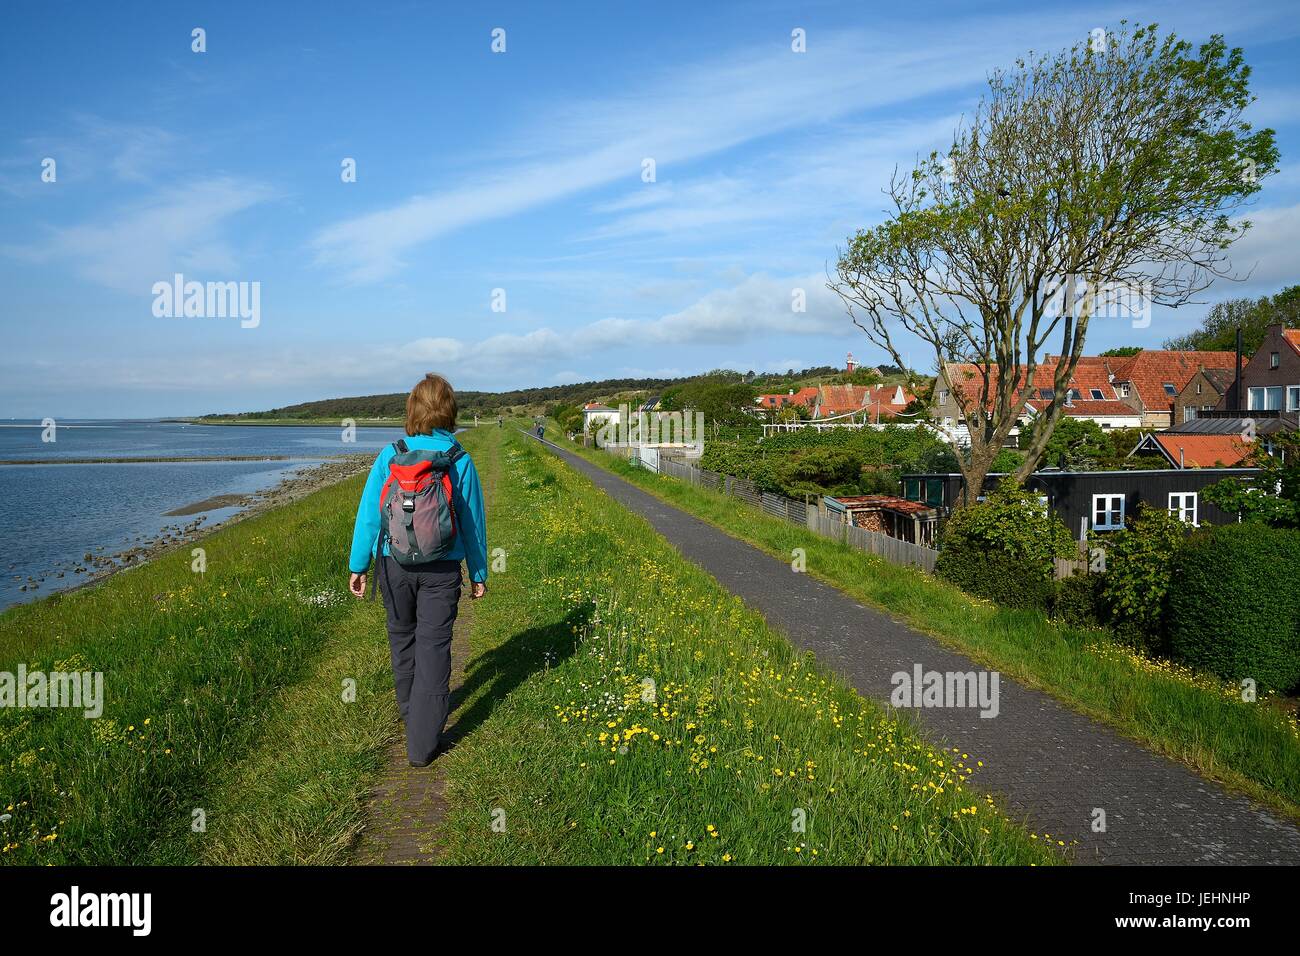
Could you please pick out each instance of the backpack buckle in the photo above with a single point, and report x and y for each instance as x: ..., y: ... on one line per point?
x: 408, y: 502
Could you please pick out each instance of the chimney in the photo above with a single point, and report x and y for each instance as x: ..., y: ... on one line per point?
x: 1182, y: 463
x: 1236, y: 386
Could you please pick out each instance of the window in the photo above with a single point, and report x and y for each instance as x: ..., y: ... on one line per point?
x: 1189, y: 412
x: 1182, y: 505
x: 1169, y: 389
x: 1198, y: 388
x: 1074, y: 395
x: 1293, y: 398
x: 943, y: 396
x: 1046, y: 394
x: 1107, y: 512
x: 1274, y: 359
x: 1097, y: 394
x: 1264, y: 398
x: 1123, y: 390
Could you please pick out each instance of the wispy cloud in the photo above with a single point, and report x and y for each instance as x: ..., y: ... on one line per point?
x: 675, y: 118
x: 178, y: 229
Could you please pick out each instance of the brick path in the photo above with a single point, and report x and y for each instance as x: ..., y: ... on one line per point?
x: 1048, y: 765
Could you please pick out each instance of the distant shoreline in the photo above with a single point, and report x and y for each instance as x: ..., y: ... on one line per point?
x: 301, y: 422
x: 155, y: 459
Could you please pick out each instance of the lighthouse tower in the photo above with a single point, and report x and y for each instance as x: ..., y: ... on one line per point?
x: 849, y: 364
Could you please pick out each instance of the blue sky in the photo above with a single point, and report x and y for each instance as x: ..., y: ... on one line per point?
x: 477, y: 171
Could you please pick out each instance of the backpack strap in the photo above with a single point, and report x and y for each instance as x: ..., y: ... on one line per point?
x: 400, y: 446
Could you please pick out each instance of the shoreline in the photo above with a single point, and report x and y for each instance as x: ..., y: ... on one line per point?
x: 153, y: 459
x: 96, y: 566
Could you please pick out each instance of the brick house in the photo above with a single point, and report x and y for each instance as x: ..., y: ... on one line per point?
x: 1271, y: 380
x: 1202, y: 393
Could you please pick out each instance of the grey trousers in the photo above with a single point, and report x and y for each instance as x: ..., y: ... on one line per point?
x: 421, y: 601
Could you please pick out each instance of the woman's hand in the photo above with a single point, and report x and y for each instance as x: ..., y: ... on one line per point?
x: 357, y: 585
x: 477, y: 590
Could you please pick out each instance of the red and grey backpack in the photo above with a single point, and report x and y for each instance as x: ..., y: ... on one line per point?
x: 416, y: 514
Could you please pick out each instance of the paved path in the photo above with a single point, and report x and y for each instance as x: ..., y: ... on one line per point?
x: 1049, y: 765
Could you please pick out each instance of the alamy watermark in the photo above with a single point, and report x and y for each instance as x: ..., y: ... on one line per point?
x: 76, y: 690
x: 1073, y: 295
x: 683, y: 431
x: 208, y: 300
x: 922, y: 688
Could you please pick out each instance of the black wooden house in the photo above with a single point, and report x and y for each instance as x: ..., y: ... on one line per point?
x: 1096, y: 500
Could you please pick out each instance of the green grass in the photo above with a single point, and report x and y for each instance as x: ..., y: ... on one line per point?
x: 1251, y: 747
x: 223, y: 694
x: 571, y: 758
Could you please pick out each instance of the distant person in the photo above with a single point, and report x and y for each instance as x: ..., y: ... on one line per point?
x: 420, y: 516
x: 541, y: 431
x: 498, y: 421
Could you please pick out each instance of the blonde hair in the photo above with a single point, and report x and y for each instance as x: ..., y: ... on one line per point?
x: 431, y: 404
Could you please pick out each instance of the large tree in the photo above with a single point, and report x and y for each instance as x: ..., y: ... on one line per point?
x: 1108, y: 169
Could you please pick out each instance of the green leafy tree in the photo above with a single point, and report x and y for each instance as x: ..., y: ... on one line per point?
x: 1218, y: 331
x: 1125, y: 351
x: 1139, y: 562
x: 1117, y: 165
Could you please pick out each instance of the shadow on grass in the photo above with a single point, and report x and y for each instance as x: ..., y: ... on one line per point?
x: 493, y: 676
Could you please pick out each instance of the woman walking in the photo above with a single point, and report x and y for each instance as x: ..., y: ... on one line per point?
x: 420, y: 516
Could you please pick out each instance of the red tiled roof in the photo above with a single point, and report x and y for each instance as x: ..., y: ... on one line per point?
x: 1148, y: 371
x: 1292, y: 336
x: 875, y: 400
x: 1090, y: 372
x: 1087, y: 408
x: 1203, y: 451
x: 804, y: 396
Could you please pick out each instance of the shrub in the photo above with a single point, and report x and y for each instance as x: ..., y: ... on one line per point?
x: 1138, y: 575
x: 1235, y: 611
x: 1002, y: 549
x: 1078, y: 600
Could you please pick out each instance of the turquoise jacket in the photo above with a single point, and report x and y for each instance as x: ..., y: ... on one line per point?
x: 471, y: 524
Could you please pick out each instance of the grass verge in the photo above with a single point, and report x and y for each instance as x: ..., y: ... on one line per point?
x: 1251, y: 747
x: 621, y: 707
x: 247, y: 705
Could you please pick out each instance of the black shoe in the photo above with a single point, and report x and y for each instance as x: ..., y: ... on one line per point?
x: 420, y: 766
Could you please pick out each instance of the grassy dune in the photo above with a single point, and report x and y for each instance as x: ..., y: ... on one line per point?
x: 1194, y: 718
x: 626, y: 709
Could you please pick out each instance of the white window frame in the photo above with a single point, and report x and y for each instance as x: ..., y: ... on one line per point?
x: 1293, y: 398
x: 1274, y: 359
x: 1178, y: 506
x: 1110, y: 525
x: 1258, y: 396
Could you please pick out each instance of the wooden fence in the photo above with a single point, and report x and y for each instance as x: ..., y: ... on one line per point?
x: 894, y: 550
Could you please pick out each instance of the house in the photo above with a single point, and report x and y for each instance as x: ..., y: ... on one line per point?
x: 1151, y: 381
x: 1190, y: 450
x: 1096, y: 501
x: 806, y: 397
x: 594, y: 414
x: 1202, y: 393
x: 1137, y: 391
x: 1091, y: 396
x: 1270, y: 381
x: 876, y: 402
x: 886, y: 514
